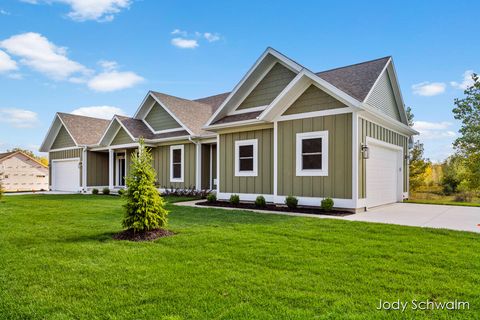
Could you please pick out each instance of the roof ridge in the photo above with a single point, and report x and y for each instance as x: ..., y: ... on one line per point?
x: 353, y: 65
x: 214, y: 95
x: 78, y: 115
x: 179, y: 98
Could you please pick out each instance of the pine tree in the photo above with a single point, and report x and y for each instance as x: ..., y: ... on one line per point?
x: 145, y: 208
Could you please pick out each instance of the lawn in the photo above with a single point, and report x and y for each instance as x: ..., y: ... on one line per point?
x: 58, y: 261
x: 435, y: 196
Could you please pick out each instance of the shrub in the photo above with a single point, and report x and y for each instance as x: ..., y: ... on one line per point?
x: 211, y: 198
x: 327, y: 204
x: 94, y: 191
x: 121, y: 192
x: 235, y: 199
x: 106, y: 191
x: 260, y: 202
x: 1, y: 189
x: 145, y: 208
x: 291, y: 202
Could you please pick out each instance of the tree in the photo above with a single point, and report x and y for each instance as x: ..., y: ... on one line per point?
x: 453, y: 173
x: 418, y: 166
x: 1, y: 188
x: 467, y: 110
x: 145, y: 209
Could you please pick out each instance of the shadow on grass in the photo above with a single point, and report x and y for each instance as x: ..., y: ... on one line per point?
x: 99, y: 237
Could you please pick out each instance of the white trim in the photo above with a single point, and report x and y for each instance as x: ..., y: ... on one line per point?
x: 120, y: 156
x: 238, y: 144
x: 151, y: 128
x: 313, y: 114
x: 355, y: 157
x: 275, y: 158
x: 218, y: 164
x: 124, y: 128
x: 210, y: 183
x: 66, y: 159
x: 111, y: 161
x: 303, y: 201
x: 378, y: 79
x: 45, y: 139
x: 64, y: 149
x: 198, y: 165
x: 171, y: 114
x: 179, y: 138
x: 300, y: 172
x: 269, y: 51
x: 247, y: 110
x: 235, y: 124
x: 119, y: 146
x: 84, y: 168
x: 169, y: 130
x: 105, y: 133
x: 367, y: 117
x: 388, y: 122
x: 383, y: 144
x: 395, y: 79
x: 68, y: 131
x: 182, y: 165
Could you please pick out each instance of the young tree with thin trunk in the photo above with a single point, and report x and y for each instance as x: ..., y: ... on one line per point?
x: 145, y: 208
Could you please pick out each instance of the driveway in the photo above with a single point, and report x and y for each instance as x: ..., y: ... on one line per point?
x: 423, y: 215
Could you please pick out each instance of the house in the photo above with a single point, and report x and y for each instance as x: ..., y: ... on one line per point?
x: 283, y: 130
x: 20, y: 172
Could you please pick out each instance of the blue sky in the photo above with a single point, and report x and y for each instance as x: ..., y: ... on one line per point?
x: 62, y: 55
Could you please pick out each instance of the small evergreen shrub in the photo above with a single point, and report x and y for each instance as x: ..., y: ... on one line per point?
x: 94, y: 191
x: 291, y: 202
x: 106, y: 191
x: 145, y: 208
x: 121, y: 192
x: 235, y: 199
x: 327, y: 204
x: 211, y: 198
x: 260, y: 202
x: 1, y: 190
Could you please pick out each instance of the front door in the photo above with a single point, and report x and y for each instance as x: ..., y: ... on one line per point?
x: 121, y: 170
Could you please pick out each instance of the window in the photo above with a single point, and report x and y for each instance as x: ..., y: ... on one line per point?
x: 312, y: 154
x: 176, y: 163
x: 246, y: 158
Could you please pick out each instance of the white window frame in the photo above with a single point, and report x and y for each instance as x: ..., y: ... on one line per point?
x: 300, y: 172
x: 238, y: 144
x: 181, y: 148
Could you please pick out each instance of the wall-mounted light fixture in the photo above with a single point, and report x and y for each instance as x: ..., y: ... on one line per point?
x: 365, y: 151
x: 80, y: 165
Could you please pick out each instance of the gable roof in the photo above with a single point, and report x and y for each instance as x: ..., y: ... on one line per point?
x: 138, y: 129
x: 84, y: 130
x: 357, y: 79
x: 214, y: 101
x: 6, y: 155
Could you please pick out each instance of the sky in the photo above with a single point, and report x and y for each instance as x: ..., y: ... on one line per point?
x: 100, y: 58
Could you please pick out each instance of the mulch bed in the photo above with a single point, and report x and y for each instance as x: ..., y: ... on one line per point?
x: 143, y: 236
x: 272, y: 207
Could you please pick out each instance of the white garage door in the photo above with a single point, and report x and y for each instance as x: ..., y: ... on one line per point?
x: 383, y: 175
x: 65, y: 175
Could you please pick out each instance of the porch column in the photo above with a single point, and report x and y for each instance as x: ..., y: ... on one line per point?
x: 111, y: 158
x: 198, y: 166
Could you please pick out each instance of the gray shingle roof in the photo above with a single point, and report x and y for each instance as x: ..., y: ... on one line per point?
x: 138, y: 129
x: 239, y: 117
x: 214, y: 101
x: 85, y: 130
x: 356, y: 80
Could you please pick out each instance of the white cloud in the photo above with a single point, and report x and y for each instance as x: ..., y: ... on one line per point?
x: 185, y: 43
x: 19, y: 118
x: 113, y: 81
x: 467, y: 81
x: 108, y: 65
x: 434, y: 130
x: 98, y: 10
x: 103, y: 112
x: 4, y: 12
x: 211, y: 37
x: 6, y: 63
x: 428, y: 89
x: 40, y: 54
x: 179, y: 32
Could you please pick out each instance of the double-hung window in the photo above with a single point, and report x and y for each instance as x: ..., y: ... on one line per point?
x: 176, y: 163
x: 246, y: 158
x: 312, y: 153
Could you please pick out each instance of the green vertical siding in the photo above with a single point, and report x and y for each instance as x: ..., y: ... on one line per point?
x: 313, y: 99
x: 383, y: 98
x: 159, y: 119
x: 65, y: 154
x: 338, y: 183
x: 370, y: 129
x: 63, y: 140
x: 269, y: 87
x: 161, y: 163
x: 263, y: 182
x: 97, y: 169
x: 121, y: 137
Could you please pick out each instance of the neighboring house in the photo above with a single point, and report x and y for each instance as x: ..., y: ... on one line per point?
x: 283, y: 130
x: 20, y: 172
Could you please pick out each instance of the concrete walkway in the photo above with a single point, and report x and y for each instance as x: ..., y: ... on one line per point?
x: 407, y: 214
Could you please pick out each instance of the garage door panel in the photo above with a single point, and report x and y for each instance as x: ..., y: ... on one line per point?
x: 382, y: 176
x: 65, y: 175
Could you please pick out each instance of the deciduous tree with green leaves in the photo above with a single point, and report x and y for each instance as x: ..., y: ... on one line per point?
x: 145, y: 208
x: 418, y: 165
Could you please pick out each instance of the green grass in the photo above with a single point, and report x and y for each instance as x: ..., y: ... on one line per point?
x: 58, y: 261
x: 444, y: 202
